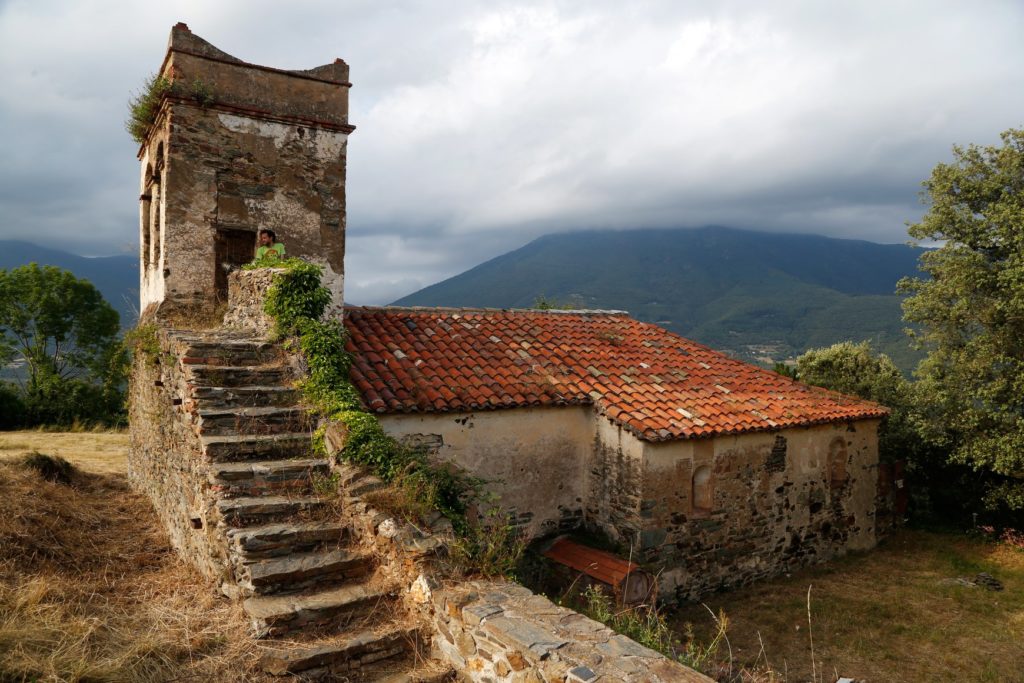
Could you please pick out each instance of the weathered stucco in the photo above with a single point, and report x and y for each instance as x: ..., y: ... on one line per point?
x: 534, y: 459
x: 615, y: 476
x: 773, y: 501
x: 262, y: 148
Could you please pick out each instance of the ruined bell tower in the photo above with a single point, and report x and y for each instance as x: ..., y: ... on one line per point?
x: 236, y: 148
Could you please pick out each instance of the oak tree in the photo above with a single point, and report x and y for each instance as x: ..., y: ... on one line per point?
x: 969, y: 313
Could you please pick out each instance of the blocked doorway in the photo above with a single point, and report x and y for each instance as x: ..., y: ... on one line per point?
x: 234, y: 248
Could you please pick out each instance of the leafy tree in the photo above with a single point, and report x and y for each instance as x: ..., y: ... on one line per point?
x: 855, y: 369
x: 68, y: 336
x: 970, y: 313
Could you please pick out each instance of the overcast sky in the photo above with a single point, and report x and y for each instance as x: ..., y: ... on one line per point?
x: 482, y: 125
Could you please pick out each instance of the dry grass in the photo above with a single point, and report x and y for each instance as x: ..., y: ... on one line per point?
x: 884, y: 616
x: 90, y: 588
x: 101, y: 452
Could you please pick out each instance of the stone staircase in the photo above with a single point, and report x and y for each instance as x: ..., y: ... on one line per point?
x: 311, y: 592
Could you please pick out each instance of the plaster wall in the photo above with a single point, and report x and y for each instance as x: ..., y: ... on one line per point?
x: 535, y: 460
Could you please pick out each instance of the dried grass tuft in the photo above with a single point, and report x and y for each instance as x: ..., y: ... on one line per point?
x: 52, y: 468
x: 90, y: 589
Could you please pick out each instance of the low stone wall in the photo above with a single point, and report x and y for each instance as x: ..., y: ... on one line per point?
x: 165, y: 460
x: 501, y: 632
x: 246, y: 291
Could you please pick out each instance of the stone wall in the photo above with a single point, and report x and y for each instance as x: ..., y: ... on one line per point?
x: 777, y: 500
x: 247, y: 290
x: 498, y: 632
x: 165, y: 458
x: 264, y: 149
x: 780, y: 500
x: 534, y: 459
x: 614, y: 484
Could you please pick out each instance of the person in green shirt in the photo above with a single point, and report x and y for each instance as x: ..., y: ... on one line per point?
x: 269, y: 247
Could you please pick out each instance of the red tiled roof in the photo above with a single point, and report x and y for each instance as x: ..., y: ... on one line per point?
x: 656, y: 384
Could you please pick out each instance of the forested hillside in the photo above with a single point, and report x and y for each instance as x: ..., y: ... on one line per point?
x: 757, y: 295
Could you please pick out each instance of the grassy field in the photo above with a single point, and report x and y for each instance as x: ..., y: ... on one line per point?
x: 892, y: 615
x: 96, y: 452
x: 90, y: 588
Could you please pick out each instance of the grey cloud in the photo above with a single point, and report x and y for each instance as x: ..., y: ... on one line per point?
x: 482, y: 125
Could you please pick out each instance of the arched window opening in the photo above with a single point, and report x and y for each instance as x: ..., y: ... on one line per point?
x: 144, y: 220
x: 837, y: 463
x: 702, y: 490
x: 156, y: 194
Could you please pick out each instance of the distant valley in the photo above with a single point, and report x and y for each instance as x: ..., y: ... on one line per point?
x: 759, y: 296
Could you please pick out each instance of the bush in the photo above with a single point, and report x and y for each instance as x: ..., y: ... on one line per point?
x: 60, y: 402
x: 297, y: 296
x: 491, y: 546
x: 142, y: 341
x: 144, y: 105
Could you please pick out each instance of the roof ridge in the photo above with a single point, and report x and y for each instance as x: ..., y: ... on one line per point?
x: 478, y: 309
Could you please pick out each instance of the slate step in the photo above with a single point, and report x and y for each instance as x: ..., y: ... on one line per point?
x: 356, y: 481
x: 274, y: 540
x: 347, y: 655
x: 252, y: 510
x: 255, y: 477
x: 249, y: 447
x: 238, y: 375
x: 273, y: 615
x: 240, y: 352
x: 298, y: 571
x: 261, y: 420
x: 212, y: 398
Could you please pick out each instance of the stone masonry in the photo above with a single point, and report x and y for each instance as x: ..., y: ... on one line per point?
x: 221, y: 445
x: 236, y: 148
x: 503, y: 633
x: 711, y: 470
x: 336, y: 588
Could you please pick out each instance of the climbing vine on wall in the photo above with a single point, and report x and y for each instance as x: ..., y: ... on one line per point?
x: 296, y: 302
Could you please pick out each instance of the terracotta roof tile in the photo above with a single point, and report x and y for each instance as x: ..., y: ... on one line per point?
x: 656, y: 384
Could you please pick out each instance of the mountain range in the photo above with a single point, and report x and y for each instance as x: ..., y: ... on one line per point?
x: 756, y: 295
x: 760, y: 296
